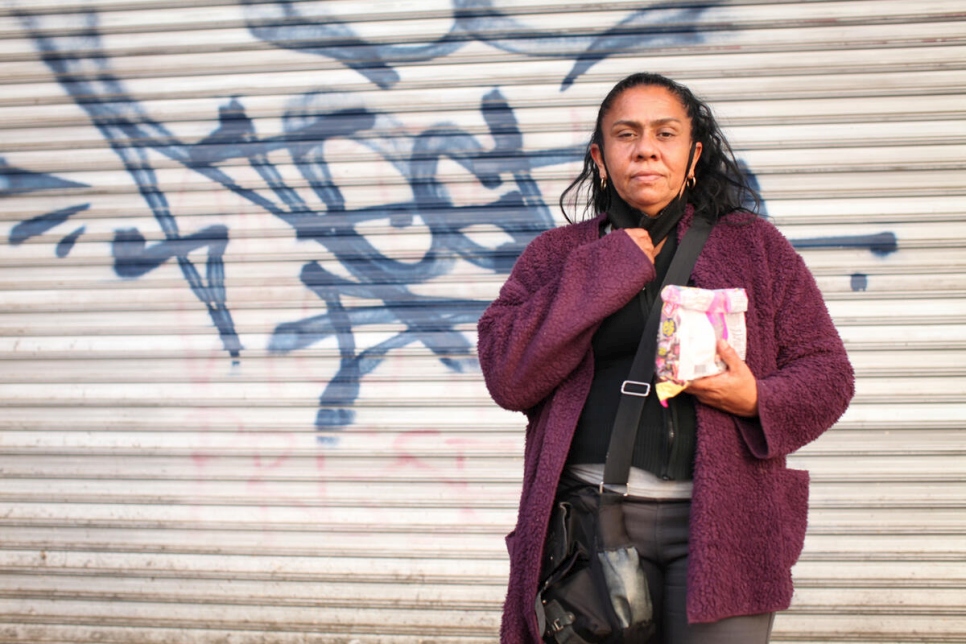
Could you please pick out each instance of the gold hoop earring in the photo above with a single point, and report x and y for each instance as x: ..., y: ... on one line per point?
x: 603, y: 183
x: 691, y: 182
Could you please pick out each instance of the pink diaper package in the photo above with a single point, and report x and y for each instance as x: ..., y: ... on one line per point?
x: 692, y: 321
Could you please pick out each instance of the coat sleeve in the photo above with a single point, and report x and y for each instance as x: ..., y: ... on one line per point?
x: 813, y: 383
x: 540, y: 327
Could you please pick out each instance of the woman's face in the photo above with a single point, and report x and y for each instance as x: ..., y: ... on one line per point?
x: 647, y: 137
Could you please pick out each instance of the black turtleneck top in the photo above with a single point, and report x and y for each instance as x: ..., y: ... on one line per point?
x: 665, y: 436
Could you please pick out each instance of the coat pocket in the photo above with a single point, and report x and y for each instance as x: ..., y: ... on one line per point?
x: 793, y: 513
x: 511, y: 542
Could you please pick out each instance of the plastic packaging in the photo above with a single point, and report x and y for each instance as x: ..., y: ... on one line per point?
x: 692, y: 321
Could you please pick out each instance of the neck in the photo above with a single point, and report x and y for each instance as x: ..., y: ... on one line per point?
x: 622, y: 215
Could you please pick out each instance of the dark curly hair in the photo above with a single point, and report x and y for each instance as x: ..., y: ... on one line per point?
x: 721, y: 187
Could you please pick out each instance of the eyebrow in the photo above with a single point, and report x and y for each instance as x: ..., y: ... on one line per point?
x: 654, y: 123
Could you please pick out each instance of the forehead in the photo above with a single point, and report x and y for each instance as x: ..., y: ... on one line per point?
x: 646, y: 103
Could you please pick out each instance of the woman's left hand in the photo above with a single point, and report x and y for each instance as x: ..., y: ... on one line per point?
x: 734, y: 390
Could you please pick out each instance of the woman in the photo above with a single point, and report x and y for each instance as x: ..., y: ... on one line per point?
x: 709, y: 472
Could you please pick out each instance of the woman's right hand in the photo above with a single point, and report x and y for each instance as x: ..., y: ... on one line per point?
x: 643, y: 241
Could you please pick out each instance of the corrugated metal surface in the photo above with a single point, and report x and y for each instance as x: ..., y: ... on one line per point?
x: 245, y: 245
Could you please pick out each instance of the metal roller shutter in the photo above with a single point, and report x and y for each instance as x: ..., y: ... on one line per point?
x: 245, y: 246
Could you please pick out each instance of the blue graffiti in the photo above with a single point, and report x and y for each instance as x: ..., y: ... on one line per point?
x: 311, y: 121
x: 879, y: 244
x: 429, y: 321
x: 77, y: 59
x: 289, y: 25
x: 15, y: 181
x: 41, y: 224
x: 18, y: 181
x: 87, y: 77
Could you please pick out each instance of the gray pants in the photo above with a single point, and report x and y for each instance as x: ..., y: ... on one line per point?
x: 659, y: 531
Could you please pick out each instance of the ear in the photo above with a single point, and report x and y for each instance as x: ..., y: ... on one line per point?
x: 697, y: 155
x: 598, y: 156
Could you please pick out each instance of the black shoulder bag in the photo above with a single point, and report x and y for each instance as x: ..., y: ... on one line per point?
x: 593, y: 589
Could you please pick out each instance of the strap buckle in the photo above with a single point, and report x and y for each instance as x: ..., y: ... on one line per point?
x: 613, y: 489
x: 645, y: 386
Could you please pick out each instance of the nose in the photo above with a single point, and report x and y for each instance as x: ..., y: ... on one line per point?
x: 646, y: 148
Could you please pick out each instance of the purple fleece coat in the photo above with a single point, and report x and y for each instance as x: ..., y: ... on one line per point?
x: 749, y: 510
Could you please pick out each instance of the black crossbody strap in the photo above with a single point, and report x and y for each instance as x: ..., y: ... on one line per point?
x: 637, y: 387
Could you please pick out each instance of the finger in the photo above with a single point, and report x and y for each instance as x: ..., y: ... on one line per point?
x: 706, y: 384
x: 639, y: 232
x: 728, y: 354
x: 642, y: 239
